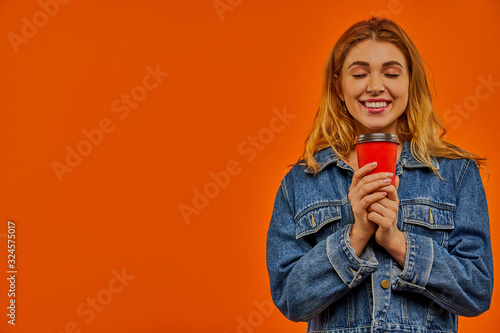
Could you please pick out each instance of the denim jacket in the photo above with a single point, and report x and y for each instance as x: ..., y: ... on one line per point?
x: 315, y: 275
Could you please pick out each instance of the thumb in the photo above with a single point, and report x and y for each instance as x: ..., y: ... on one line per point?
x: 397, y: 182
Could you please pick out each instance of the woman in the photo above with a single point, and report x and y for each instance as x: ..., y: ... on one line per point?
x: 348, y: 251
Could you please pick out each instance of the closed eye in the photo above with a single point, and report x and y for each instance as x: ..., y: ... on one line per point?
x: 387, y: 75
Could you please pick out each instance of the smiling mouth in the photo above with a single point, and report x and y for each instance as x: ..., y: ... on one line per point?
x: 375, y: 106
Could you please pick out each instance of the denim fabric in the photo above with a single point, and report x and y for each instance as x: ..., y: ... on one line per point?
x: 315, y: 275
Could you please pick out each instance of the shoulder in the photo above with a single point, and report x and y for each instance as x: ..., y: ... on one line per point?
x: 452, y: 163
x: 456, y: 157
x: 460, y: 171
x: 295, y: 176
x: 455, y: 165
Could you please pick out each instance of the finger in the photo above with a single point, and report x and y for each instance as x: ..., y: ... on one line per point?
x: 392, y: 192
x: 382, y: 207
x: 377, y: 176
x: 376, y: 218
x: 365, y: 189
x: 379, y: 208
x: 361, y: 172
x: 370, y: 184
x: 370, y: 199
x: 382, y: 222
x: 383, y: 204
x: 389, y: 212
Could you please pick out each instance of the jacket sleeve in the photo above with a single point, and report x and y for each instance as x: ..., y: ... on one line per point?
x: 305, y: 278
x: 458, y: 278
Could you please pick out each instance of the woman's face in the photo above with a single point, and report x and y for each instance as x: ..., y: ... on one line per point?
x: 374, y: 86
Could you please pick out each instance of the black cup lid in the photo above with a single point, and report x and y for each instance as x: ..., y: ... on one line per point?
x: 376, y: 137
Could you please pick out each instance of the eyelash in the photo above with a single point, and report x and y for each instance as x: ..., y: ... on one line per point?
x: 363, y: 75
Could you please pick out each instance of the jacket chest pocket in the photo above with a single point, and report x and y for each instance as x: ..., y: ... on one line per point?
x: 318, y: 221
x: 430, y: 220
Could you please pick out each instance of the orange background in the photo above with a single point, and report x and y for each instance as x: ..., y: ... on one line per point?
x: 119, y: 209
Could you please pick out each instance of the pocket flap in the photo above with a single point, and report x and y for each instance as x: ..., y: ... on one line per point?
x: 431, y: 216
x: 314, y: 218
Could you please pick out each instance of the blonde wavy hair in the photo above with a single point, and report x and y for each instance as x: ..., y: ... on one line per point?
x: 419, y: 124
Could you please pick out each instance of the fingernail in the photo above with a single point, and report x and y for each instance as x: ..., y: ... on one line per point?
x: 387, y: 180
x: 389, y: 175
x: 373, y: 164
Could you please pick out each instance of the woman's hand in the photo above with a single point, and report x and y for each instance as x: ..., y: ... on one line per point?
x: 366, y: 190
x: 384, y: 213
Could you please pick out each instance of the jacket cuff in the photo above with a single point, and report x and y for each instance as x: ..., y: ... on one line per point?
x: 418, y: 264
x: 350, y: 268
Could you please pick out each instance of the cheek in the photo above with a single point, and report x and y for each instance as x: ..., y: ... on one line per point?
x: 400, y: 92
x: 353, y: 89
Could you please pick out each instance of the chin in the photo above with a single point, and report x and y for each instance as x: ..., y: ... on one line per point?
x: 378, y: 128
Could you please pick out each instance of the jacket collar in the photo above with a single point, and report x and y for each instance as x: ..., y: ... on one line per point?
x: 409, y: 161
x: 328, y: 156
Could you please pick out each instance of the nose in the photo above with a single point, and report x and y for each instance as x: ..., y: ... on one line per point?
x: 375, y: 85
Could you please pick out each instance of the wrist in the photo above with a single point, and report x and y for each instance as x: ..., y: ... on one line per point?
x: 397, y: 248
x: 359, y: 239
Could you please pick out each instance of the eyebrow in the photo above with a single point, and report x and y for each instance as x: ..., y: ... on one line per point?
x: 385, y: 64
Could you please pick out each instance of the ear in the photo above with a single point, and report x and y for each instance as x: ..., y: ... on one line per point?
x: 336, y: 84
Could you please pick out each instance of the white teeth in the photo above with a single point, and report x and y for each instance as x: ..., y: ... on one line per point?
x: 375, y: 105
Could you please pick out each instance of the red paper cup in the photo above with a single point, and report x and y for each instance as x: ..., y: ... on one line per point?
x: 378, y: 147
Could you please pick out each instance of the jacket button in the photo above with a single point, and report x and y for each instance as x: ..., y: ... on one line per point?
x: 385, y: 284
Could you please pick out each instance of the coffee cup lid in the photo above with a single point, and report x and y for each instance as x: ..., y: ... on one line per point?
x: 376, y: 137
